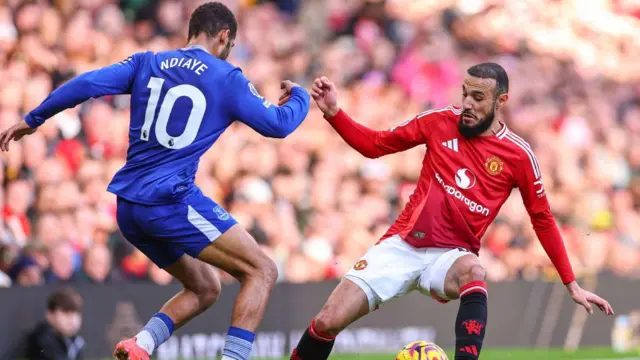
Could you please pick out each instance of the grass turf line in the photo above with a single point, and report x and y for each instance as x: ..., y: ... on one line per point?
x: 513, y: 354
x: 520, y: 354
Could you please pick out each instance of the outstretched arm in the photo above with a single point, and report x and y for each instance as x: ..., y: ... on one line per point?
x: 368, y: 142
x: 110, y: 80
x: 529, y: 181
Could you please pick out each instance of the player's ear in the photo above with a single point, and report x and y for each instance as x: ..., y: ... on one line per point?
x: 224, y: 36
x: 502, y: 100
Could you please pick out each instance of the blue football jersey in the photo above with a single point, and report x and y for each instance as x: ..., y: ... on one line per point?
x: 181, y: 102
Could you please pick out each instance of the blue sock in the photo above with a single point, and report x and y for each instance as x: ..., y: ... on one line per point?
x: 155, y: 333
x: 238, y: 345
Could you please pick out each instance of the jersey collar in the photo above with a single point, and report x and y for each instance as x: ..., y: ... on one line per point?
x: 192, y: 47
x: 502, y: 132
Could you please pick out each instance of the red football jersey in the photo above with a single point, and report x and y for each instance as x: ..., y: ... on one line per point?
x: 463, y: 182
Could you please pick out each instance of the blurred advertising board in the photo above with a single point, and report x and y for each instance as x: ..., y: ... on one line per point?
x: 521, y: 314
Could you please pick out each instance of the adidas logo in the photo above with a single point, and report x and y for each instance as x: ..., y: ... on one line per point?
x: 470, y: 350
x: 451, y: 144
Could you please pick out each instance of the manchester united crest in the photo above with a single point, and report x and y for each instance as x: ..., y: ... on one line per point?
x: 360, y: 265
x: 494, y: 165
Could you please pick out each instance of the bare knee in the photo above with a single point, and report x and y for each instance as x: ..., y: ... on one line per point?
x: 207, y: 290
x: 346, y: 304
x: 264, y: 271
x: 209, y: 296
x: 473, y: 272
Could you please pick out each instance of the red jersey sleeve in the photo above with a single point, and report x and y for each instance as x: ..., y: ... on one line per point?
x: 529, y: 181
x: 372, y: 143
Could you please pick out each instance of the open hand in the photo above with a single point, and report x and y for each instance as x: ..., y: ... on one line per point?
x: 586, y: 298
x: 325, y: 95
x: 16, y: 132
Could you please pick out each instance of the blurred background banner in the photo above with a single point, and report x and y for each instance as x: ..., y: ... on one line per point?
x: 523, y: 314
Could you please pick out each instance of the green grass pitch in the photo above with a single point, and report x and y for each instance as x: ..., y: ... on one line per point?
x: 515, y: 354
x: 521, y: 354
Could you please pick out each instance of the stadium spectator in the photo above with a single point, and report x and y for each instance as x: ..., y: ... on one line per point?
x: 57, y: 338
x: 311, y: 199
x: 19, y: 267
x: 63, y: 264
x: 97, y: 265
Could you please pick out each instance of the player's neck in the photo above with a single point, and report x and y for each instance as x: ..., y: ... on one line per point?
x: 199, y: 43
x: 204, y: 42
x: 494, y: 129
x: 199, y: 46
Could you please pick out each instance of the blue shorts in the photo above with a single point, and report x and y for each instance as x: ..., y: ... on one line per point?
x: 166, y: 232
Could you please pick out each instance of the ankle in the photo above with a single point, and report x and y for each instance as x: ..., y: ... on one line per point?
x: 239, y: 344
x: 155, y: 333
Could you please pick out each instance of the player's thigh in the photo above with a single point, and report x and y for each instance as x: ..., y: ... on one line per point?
x: 237, y: 253
x: 204, y: 230
x: 388, y: 270
x: 347, y: 303
x: 160, y: 252
x: 440, y: 278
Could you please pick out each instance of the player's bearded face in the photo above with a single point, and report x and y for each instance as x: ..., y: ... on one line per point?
x: 470, y: 125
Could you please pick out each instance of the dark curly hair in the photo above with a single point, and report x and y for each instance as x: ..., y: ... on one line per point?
x: 211, y: 18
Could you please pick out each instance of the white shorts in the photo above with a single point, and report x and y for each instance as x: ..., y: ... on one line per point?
x: 394, y: 268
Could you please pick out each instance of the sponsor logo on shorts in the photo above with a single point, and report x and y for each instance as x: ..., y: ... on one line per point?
x: 473, y: 206
x: 494, y: 165
x: 360, y: 265
x: 221, y: 213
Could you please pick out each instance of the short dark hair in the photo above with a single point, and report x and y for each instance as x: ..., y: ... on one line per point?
x: 66, y: 299
x: 211, y: 18
x: 494, y: 71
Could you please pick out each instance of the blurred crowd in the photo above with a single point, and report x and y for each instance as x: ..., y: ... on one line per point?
x: 312, y: 203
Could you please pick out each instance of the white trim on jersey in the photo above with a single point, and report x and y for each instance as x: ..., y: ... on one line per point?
x: 527, y: 149
x: 532, y: 156
x: 425, y: 113
x: 202, y: 224
x: 451, y: 144
x: 502, y: 131
x: 448, y: 108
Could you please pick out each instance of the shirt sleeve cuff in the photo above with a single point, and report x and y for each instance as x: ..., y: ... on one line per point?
x: 31, y: 121
x: 339, y: 115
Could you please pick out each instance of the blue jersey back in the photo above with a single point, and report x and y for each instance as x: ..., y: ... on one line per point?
x: 177, y: 113
x: 181, y: 102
